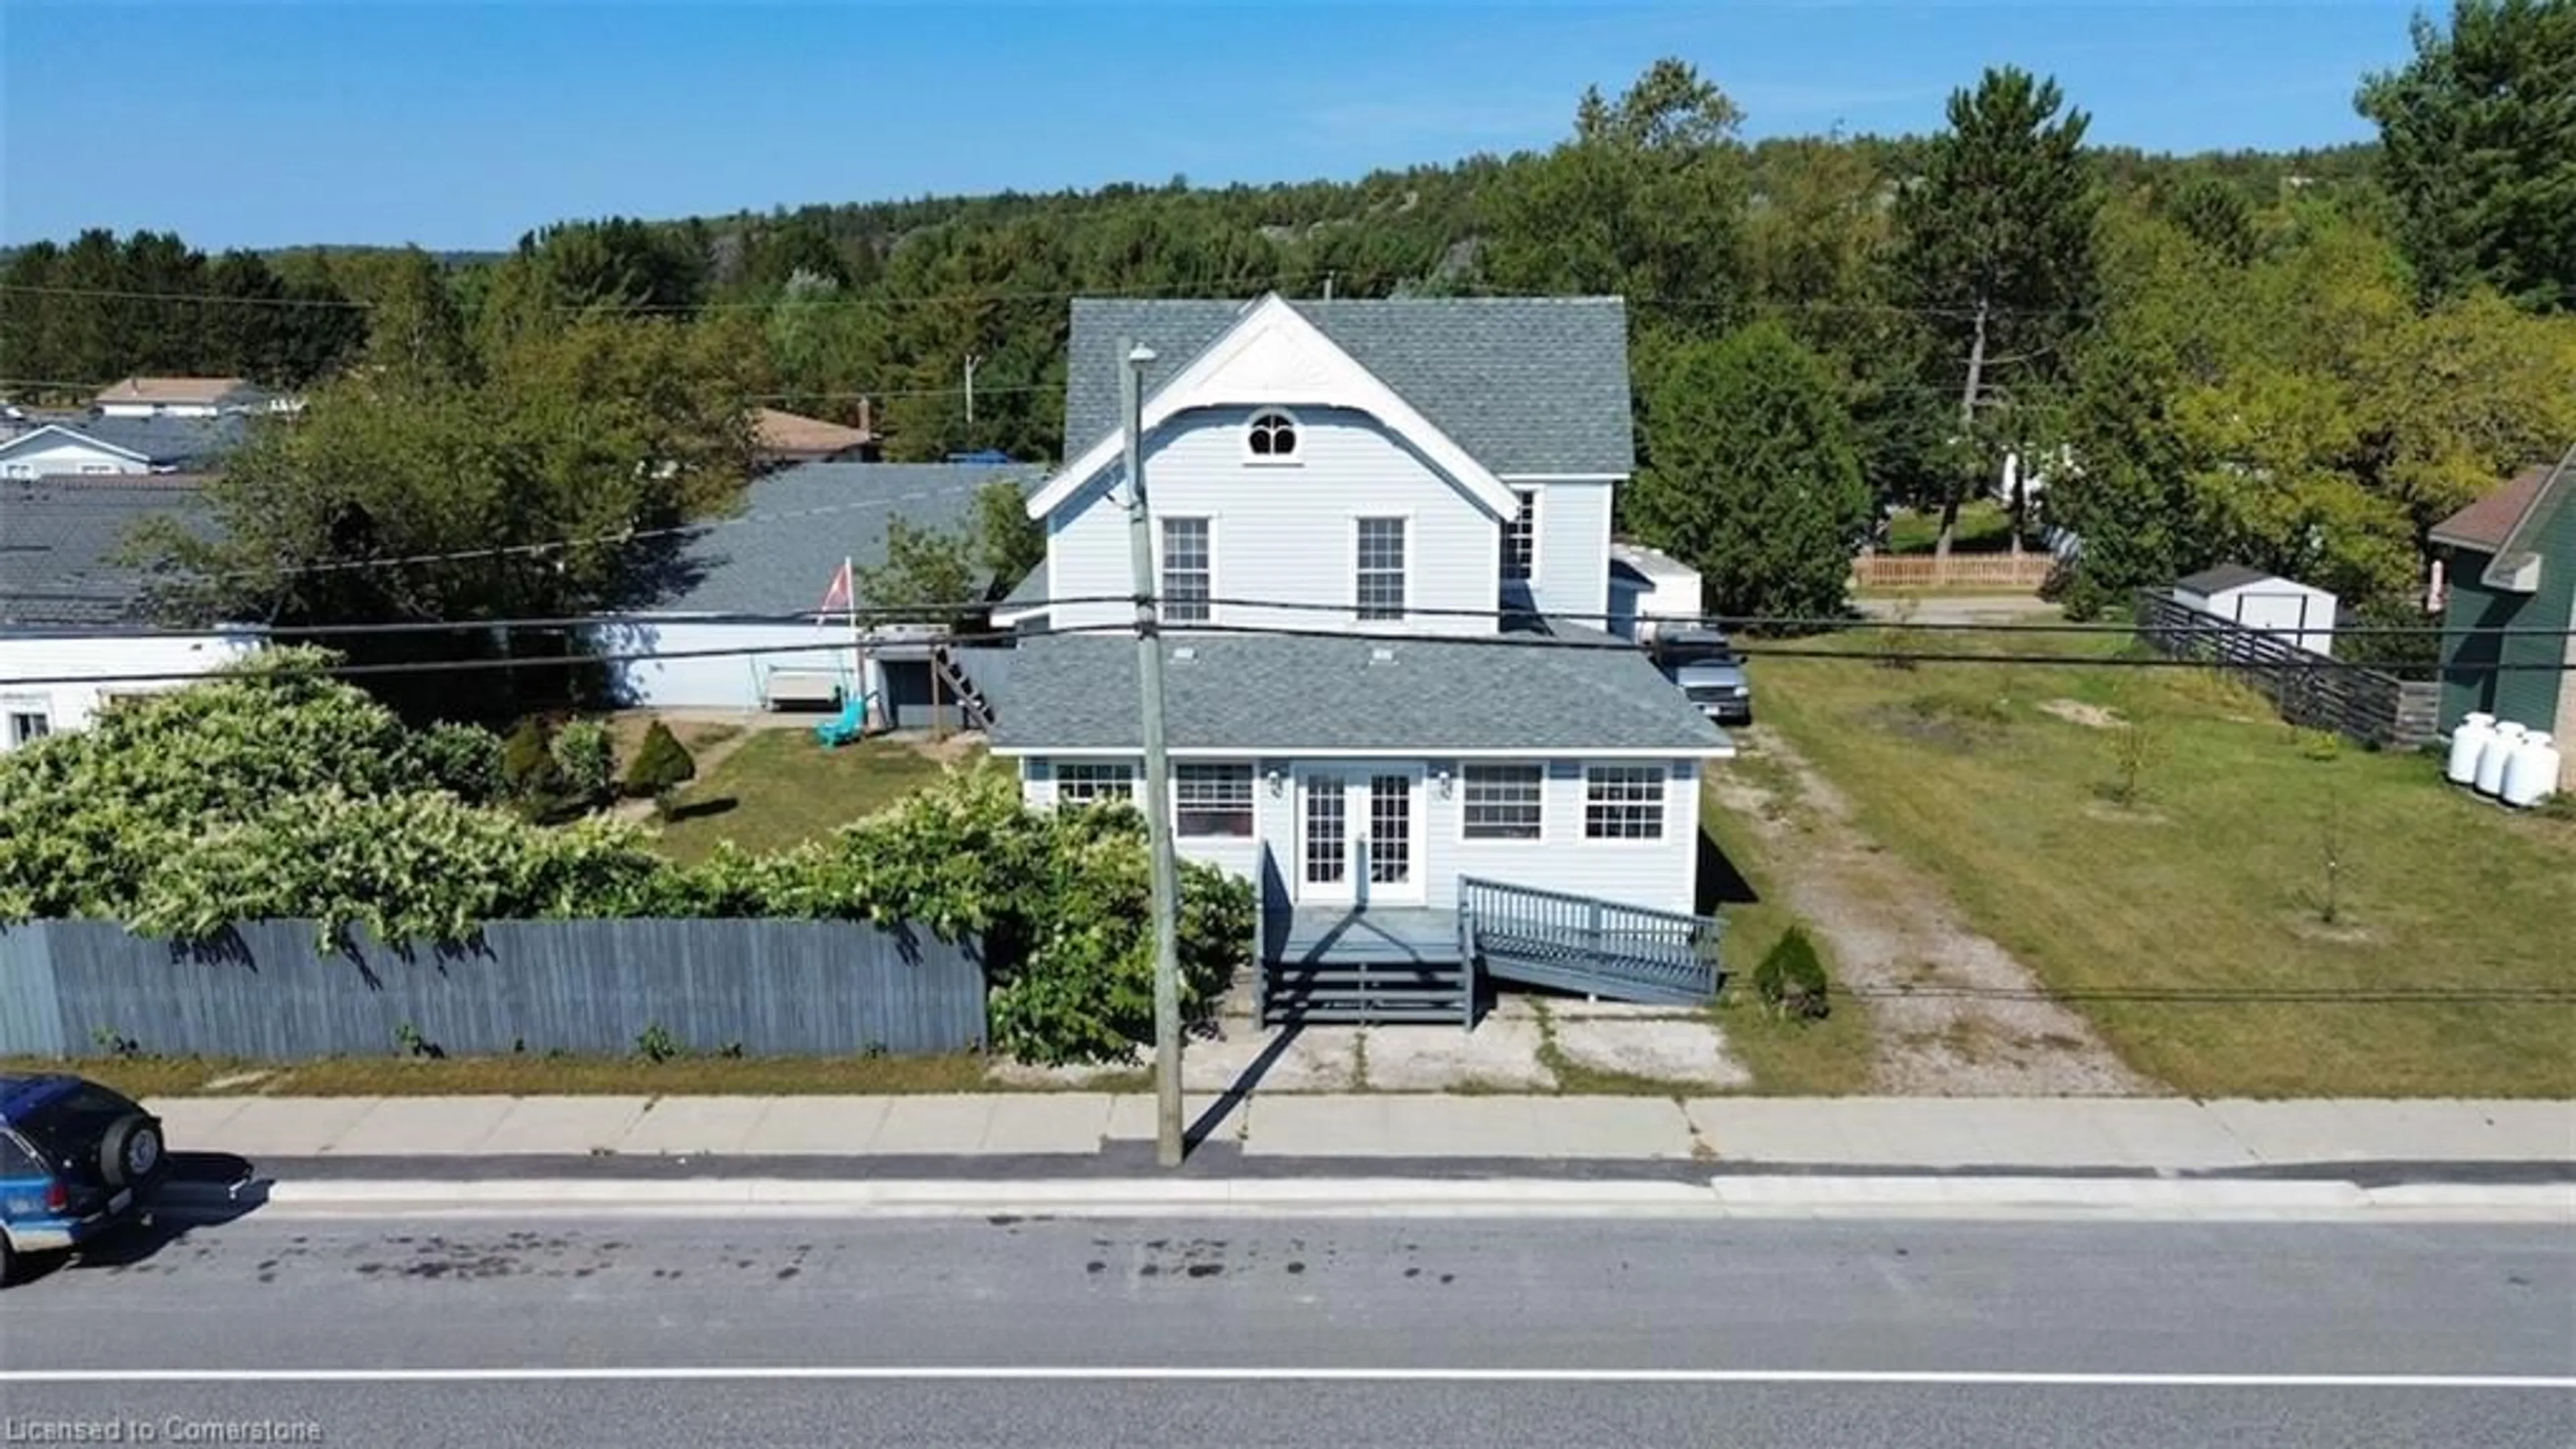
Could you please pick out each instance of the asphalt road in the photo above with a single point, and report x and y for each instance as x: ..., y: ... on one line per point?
x: 782, y: 1332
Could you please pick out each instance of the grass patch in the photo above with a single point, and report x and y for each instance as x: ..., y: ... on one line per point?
x: 1827, y: 1058
x: 1985, y: 526
x: 534, y: 1076
x: 782, y: 789
x: 2263, y: 917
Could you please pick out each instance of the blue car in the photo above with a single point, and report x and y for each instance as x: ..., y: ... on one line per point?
x: 76, y: 1159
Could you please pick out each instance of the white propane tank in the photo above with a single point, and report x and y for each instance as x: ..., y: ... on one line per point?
x: 2466, y: 741
x: 2531, y: 775
x: 2491, y: 760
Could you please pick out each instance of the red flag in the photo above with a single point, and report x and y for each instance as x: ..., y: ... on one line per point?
x: 837, y: 597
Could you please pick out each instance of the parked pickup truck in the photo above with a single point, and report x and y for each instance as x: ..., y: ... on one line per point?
x: 1710, y: 673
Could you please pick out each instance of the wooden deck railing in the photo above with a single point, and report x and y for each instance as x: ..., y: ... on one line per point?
x: 1633, y: 940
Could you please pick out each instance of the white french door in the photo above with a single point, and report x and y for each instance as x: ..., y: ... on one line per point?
x: 1359, y: 834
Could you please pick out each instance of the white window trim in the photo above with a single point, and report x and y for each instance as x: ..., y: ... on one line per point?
x: 1411, y: 548
x: 1251, y: 799
x: 1124, y: 768
x: 1663, y: 808
x: 1666, y: 754
x: 1460, y: 777
x: 39, y: 705
x: 1214, y: 612
x: 1294, y: 457
x: 1538, y: 529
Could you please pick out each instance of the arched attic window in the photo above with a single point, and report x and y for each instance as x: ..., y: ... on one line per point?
x: 1271, y: 436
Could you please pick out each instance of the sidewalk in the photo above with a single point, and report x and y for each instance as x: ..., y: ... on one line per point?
x: 1896, y: 1134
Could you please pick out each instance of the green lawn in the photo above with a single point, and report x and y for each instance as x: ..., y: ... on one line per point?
x: 2193, y: 927
x: 1984, y: 526
x: 782, y: 788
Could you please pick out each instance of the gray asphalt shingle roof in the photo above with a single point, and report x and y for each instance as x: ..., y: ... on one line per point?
x: 798, y: 524
x: 1285, y: 693
x: 1525, y: 384
x: 60, y: 538
x: 167, y: 441
x: 2223, y: 577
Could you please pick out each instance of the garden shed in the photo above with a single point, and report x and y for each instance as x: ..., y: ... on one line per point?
x: 2298, y: 614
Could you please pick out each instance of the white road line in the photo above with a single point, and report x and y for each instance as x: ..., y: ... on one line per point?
x: 865, y: 1373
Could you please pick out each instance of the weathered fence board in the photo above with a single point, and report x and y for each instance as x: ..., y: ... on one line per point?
x: 776, y: 988
x: 2373, y: 708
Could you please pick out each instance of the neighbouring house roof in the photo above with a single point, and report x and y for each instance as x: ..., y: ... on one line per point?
x: 1528, y: 385
x: 779, y: 555
x: 786, y: 433
x: 1282, y: 694
x: 160, y: 442
x: 178, y: 391
x: 2505, y: 524
x: 2222, y: 578
x: 60, y: 541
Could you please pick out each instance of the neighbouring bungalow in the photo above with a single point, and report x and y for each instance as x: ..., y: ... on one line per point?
x: 122, y: 446
x: 73, y: 633
x: 2508, y: 562
x: 749, y: 614
x: 181, y: 397
x: 784, y: 439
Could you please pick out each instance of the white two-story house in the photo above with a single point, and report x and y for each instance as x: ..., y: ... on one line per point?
x: 1382, y: 534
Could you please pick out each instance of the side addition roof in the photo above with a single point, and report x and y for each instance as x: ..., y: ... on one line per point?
x: 1528, y: 385
x: 797, y: 525
x: 1303, y: 694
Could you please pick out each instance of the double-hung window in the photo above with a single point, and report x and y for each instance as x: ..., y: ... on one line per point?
x: 1380, y: 585
x: 1088, y: 782
x: 1212, y: 800
x: 1189, y: 571
x: 1503, y: 802
x: 1623, y: 802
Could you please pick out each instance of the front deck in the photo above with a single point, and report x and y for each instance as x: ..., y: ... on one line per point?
x: 1387, y: 963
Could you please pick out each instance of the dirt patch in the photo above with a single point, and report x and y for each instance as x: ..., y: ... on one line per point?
x: 2113, y: 814
x: 2077, y: 712
x: 1956, y: 1014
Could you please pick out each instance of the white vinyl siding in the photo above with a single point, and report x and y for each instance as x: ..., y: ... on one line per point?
x: 1623, y: 802
x: 1661, y: 874
x: 1212, y: 800
x: 1379, y: 579
x: 92, y: 669
x: 1189, y: 577
x: 1570, y: 549
x: 1503, y: 802
x: 1285, y: 532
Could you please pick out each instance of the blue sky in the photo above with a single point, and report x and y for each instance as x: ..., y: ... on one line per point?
x: 458, y: 124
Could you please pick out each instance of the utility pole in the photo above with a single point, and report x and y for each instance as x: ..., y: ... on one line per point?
x: 1158, y: 769
x: 1967, y: 428
x: 972, y: 359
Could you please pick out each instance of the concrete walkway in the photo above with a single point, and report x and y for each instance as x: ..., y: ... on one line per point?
x: 1891, y: 1133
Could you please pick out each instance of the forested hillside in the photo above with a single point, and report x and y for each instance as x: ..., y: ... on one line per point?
x: 2297, y: 361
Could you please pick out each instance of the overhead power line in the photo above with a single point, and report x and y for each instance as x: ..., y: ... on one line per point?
x: 1124, y: 628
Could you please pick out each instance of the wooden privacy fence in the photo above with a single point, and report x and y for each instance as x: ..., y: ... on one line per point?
x: 2365, y: 705
x: 2012, y: 573
x: 263, y: 989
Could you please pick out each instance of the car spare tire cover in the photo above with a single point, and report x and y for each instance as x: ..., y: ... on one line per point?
x: 130, y: 1150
